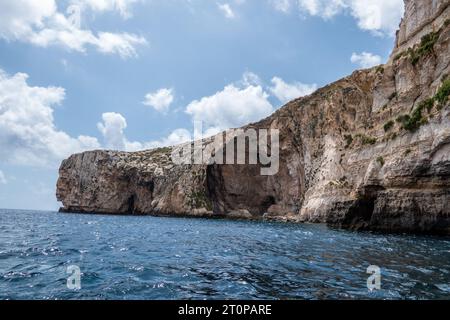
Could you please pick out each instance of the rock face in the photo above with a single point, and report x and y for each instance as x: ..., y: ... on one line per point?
x: 368, y: 152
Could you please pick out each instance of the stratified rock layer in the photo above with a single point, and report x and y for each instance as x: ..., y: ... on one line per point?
x: 349, y: 156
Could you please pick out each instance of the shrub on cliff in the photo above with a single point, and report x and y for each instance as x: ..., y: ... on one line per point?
x: 443, y: 92
x: 416, y: 120
x: 388, y: 126
x: 349, y: 140
x: 381, y: 161
x: 366, y: 140
x: 426, y: 46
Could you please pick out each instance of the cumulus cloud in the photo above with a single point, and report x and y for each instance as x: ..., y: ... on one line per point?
x: 232, y: 107
x: 286, y: 92
x: 176, y: 137
x: 112, y: 128
x: 28, y: 134
x: 239, y: 103
x: 381, y: 17
x: 226, y: 10
x: 40, y: 23
x: 160, y: 100
x: 366, y: 59
x: 2, y: 178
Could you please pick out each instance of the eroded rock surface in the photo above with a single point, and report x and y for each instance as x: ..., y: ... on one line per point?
x: 370, y: 151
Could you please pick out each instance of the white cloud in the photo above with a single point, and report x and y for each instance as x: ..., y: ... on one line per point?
x: 237, y: 104
x: 122, y: 6
x: 28, y: 134
x: 366, y: 59
x: 2, y: 178
x: 160, y: 100
x: 286, y: 92
x: 243, y: 102
x: 114, y: 124
x: 250, y: 79
x: 324, y: 8
x: 112, y: 128
x: 40, y: 23
x: 17, y: 18
x: 281, y: 5
x: 176, y: 137
x: 381, y: 17
x: 226, y: 10
x: 122, y: 44
x: 232, y: 107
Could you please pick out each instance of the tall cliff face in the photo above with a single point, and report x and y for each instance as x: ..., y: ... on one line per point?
x: 370, y: 151
x: 421, y: 18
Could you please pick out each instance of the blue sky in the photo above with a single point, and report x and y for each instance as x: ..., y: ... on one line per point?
x: 134, y: 74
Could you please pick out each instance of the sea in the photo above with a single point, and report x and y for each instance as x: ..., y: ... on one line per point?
x: 50, y: 255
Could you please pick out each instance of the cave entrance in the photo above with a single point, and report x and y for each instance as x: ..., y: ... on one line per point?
x: 239, y: 187
x: 131, y: 203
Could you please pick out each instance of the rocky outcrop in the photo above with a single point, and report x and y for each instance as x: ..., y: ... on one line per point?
x: 421, y: 18
x: 132, y: 183
x: 368, y: 152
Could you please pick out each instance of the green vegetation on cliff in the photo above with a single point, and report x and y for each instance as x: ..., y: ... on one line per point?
x: 443, y: 92
x: 425, y: 47
x: 381, y: 161
x: 366, y: 140
x: 199, y: 200
x: 388, y: 126
x: 416, y: 119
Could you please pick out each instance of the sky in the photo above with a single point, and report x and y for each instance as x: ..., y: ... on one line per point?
x: 130, y: 75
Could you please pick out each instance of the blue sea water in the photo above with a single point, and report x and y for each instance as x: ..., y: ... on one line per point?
x: 127, y: 257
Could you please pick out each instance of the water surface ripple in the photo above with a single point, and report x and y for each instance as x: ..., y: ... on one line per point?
x: 123, y: 257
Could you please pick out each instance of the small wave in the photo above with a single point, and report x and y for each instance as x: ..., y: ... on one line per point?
x: 201, y: 259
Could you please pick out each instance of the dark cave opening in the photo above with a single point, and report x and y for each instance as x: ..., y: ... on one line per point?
x: 131, y: 202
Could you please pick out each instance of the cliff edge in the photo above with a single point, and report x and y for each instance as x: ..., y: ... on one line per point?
x: 368, y: 152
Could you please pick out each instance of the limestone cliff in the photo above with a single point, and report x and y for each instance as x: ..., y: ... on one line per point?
x: 370, y: 151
